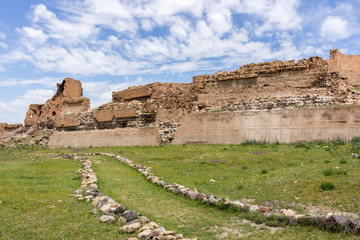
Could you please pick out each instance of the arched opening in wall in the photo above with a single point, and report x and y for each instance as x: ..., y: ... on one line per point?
x: 31, y: 115
x: 54, y: 113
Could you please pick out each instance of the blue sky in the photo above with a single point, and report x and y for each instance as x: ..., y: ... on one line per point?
x: 113, y: 44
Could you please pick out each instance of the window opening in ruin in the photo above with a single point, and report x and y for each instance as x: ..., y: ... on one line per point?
x: 54, y: 113
x: 31, y: 115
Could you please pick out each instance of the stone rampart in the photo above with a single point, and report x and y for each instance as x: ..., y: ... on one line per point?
x: 107, y: 137
x: 280, y: 125
x: 263, y: 86
x: 347, y: 65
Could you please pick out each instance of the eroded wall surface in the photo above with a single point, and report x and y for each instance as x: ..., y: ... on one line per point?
x: 347, y: 65
x: 10, y: 130
x: 262, y: 86
x: 282, y: 125
x: 107, y: 137
x: 67, y: 99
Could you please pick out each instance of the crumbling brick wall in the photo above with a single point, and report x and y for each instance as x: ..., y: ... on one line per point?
x: 10, y: 130
x: 67, y: 99
x: 277, y: 84
x: 346, y: 65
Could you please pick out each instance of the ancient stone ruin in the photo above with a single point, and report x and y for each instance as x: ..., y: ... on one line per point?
x: 160, y: 108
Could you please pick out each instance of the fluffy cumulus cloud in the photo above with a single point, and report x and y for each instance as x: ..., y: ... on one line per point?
x: 14, y: 110
x: 335, y: 28
x: 121, y: 37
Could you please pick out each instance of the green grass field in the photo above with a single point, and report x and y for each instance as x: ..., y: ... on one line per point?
x: 35, y: 190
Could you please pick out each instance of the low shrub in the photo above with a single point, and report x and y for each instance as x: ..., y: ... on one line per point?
x: 327, y: 186
x: 328, y: 172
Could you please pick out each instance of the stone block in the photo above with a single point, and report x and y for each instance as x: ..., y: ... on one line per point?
x: 125, y: 113
x: 103, y: 116
x: 66, y: 121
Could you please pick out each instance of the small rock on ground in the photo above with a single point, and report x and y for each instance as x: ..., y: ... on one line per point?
x: 107, y: 218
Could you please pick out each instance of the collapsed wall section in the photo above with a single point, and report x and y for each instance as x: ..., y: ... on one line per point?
x: 10, y: 130
x: 67, y: 99
x: 168, y: 102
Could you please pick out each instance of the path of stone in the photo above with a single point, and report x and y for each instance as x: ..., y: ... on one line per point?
x: 150, y: 230
x: 111, y: 210
x: 330, y: 220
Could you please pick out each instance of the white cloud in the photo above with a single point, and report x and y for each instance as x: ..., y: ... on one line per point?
x: 335, y: 28
x: 276, y: 14
x: 104, y: 37
x: 2, y: 35
x: 14, y: 111
x: 45, y: 81
x: 3, y: 45
x: 32, y: 33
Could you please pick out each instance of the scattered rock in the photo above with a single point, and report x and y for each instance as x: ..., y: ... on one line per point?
x: 144, y: 234
x: 144, y: 219
x: 94, y: 211
x: 105, y: 208
x: 129, y: 215
x: 288, y: 212
x: 193, y: 194
x: 130, y: 228
x: 120, y: 210
x: 122, y: 220
x: 107, y: 218
x: 133, y: 221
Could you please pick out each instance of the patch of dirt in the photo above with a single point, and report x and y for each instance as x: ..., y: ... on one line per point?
x: 325, y: 210
x: 260, y: 152
x: 227, y: 232
x: 218, y: 161
x: 262, y: 226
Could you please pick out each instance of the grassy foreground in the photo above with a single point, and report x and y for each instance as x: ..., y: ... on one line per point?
x: 262, y: 172
x: 31, y: 188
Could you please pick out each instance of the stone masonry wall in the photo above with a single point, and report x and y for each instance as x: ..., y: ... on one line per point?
x: 347, y: 65
x: 278, y: 84
x: 9, y: 130
x: 269, y: 85
x: 67, y: 99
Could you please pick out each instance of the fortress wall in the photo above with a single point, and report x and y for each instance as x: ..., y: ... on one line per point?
x: 347, y: 65
x: 107, y: 137
x: 9, y: 130
x: 263, y: 82
x: 283, y: 125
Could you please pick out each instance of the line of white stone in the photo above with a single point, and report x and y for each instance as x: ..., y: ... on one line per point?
x: 111, y: 210
x: 330, y: 221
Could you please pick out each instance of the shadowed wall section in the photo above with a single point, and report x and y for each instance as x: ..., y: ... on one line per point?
x: 283, y: 125
x: 107, y: 137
